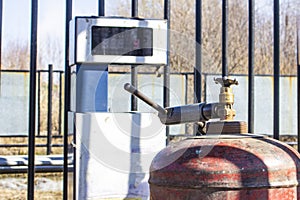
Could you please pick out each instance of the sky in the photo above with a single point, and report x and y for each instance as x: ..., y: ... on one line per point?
x: 51, y: 22
x: 51, y: 17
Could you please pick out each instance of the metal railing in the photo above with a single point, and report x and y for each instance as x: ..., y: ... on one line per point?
x: 198, y: 74
x: 45, y: 87
x: 52, y: 121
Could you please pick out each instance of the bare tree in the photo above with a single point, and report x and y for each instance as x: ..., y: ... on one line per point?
x: 183, y: 34
x: 16, y: 55
x: 289, y: 12
x: 50, y: 52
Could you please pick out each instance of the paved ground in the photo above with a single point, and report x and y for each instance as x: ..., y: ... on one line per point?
x: 15, y: 188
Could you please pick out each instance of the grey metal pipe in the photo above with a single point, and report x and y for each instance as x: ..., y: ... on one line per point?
x: 144, y: 98
x: 192, y: 113
x: 178, y: 114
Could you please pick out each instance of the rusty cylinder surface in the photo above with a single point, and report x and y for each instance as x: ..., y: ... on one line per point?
x: 228, y: 167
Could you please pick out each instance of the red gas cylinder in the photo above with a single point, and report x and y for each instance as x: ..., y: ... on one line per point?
x: 228, y: 166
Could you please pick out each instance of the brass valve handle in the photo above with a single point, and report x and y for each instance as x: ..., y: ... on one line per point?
x: 226, y: 82
x: 226, y: 98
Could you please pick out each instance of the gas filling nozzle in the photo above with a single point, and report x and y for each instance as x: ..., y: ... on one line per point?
x: 128, y: 87
x: 199, y: 112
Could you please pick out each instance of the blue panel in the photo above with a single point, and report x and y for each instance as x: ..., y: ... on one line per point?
x: 92, y: 88
x: 101, y: 97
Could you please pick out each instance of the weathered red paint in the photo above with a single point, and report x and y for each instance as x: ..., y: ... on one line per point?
x: 226, y: 167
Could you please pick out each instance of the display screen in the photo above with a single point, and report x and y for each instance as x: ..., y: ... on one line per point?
x: 128, y: 41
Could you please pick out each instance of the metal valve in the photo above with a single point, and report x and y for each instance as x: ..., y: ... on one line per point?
x: 199, y: 112
x: 226, y: 98
x: 226, y: 82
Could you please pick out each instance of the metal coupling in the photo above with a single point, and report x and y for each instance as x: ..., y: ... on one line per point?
x: 226, y: 98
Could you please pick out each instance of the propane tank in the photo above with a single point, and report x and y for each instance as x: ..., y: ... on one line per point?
x: 228, y: 166
x: 226, y: 163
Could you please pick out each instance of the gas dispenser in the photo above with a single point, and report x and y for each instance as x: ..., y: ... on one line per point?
x: 226, y: 163
x: 113, y: 150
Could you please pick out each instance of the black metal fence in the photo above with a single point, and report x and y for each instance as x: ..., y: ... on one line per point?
x: 34, y: 74
x: 50, y: 103
x: 45, y: 126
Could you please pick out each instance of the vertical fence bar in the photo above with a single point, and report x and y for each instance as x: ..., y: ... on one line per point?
x: 205, y: 88
x: 39, y: 104
x: 134, y: 73
x: 32, y: 99
x: 101, y: 7
x: 67, y: 101
x: 60, y: 103
x: 198, y: 68
x: 186, y: 97
x: 1, y: 14
x: 186, y: 87
x: 134, y: 8
x: 224, y: 37
x: 276, y: 108
x: 166, y: 82
x: 134, y: 102
x: 298, y: 81
x: 49, y: 120
x: 251, y: 47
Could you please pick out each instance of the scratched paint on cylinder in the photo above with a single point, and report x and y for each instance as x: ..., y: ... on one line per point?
x: 234, y: 168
